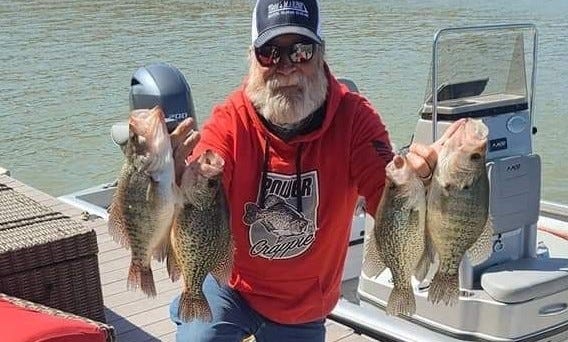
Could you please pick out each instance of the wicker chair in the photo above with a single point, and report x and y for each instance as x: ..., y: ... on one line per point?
x: 47, y: 257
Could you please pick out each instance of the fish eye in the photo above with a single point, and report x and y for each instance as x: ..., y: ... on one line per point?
x: 475, y: 156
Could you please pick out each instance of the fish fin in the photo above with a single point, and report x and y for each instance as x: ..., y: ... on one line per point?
x: 171, y: 261
x: 481, y: 249
x: 401, y: 301
x: 193, y: 307
x: 163, y: 248
x: 116, y: 224
x: 444, y: 288
x: 426, y: 260
x: 172, y: 266
x: 251, y: 211
x: 140, y: 276
x: 222, y: 271
x: 151, y: 191
x: 372, y: 263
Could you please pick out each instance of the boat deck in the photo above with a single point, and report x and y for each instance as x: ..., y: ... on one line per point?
x: 134, y: 316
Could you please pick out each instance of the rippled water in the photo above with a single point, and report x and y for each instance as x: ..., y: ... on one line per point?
x: 66, y: 66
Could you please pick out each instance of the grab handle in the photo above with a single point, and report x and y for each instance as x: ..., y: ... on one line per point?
x: 553, y: 309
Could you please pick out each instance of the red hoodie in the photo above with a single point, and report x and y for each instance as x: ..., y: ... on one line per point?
x: 290, y: 254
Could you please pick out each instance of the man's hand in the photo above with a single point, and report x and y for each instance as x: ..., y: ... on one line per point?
x: 556, y: 232
x: 423, y: 158
x: 184, y: 138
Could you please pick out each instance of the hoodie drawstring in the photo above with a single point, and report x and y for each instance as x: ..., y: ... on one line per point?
x: 265, y: 174
x: 299, y: 178
x: 264, y: 171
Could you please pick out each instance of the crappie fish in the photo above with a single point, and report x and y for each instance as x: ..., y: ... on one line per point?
x: 142, y: 208
x: 397, y: 239
x: 201, y: 239
x: 277, y: 216
x: 458, y: 208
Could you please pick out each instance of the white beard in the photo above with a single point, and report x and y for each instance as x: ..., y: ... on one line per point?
x: 287, y: 100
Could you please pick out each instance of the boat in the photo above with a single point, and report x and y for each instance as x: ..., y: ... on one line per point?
x: 520, y: 293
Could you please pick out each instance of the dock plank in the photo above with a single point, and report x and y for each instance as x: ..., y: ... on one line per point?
x: 336, y: 331
x: 357, y: 338
x: 171, y: 337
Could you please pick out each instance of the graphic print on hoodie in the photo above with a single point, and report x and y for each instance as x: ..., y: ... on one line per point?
x: 278, y: 229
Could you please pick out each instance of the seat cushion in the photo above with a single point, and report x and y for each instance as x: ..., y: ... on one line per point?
x: 21, y: 324
x: 525, y: 279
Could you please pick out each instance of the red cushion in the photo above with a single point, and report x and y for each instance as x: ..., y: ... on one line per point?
x: 18, y: 324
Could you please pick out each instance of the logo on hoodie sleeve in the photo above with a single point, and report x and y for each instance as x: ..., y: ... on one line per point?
x: 278, y: 229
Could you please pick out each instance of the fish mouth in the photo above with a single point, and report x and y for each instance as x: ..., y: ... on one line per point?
x: 210, y: 164
x: 145, y: 122
x: 476, y: 129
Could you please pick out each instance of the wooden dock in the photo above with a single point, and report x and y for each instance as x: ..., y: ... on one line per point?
x: 134, y: 316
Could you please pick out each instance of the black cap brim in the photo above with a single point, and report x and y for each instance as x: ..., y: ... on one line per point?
x: 274, y: 32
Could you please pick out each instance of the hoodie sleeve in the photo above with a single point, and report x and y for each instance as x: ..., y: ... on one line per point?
x: 217, y: 135
x: 371, y: 150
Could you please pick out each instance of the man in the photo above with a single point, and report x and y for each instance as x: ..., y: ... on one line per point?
x: 294, y: 140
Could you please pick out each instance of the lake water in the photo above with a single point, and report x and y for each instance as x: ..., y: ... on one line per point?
x: 66, y: 66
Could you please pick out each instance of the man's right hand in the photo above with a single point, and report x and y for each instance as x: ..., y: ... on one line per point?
x: 183, y: 138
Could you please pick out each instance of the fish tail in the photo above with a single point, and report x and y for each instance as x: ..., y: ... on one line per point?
x: 444, y: 288
x: 401, y: 301
x: 251, y: 211
x: 193, y: 307
x: 140, y: 276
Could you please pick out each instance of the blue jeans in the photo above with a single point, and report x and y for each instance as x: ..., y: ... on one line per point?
x: 234, y: 320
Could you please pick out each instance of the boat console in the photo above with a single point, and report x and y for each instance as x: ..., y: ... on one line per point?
x: 517, y: 294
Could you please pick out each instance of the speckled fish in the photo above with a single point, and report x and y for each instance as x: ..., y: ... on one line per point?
x: 201, y: 239
x: 458, y: 208
x: 397, y: 239
x: 277, y: 216
x: 142, y: 208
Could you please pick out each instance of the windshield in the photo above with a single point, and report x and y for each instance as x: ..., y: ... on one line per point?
x: 488, y: 64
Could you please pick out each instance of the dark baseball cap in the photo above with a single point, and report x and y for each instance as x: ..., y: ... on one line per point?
x: 272, y: 18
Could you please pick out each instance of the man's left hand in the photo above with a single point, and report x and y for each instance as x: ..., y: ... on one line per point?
x: 423, y: 158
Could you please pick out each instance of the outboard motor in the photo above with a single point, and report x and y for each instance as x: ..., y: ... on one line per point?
x: 158, y: 84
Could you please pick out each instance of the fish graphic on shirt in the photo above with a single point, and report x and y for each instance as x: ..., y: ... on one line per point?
x: 277, y: 217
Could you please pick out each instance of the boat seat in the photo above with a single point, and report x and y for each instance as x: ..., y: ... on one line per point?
x: 525, y: 279
x: 349, y: 83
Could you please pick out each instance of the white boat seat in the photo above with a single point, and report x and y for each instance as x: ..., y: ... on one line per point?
x: 525, y: 279
x: 349, y: 83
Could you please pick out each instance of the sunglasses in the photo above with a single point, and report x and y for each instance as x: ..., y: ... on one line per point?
x: 270, y: 55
